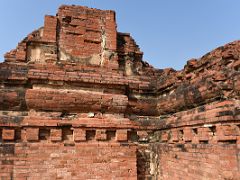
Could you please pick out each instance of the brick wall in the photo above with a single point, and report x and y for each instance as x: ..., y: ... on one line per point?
x: 81, y: 161
x: 201, y: 143
x: 78, y: 102
x: 199, y: 161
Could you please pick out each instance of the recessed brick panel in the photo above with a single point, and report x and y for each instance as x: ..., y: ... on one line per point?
x: 79, y: 134
x: 101, y: 135
x: 56, y: 135
x: 8, y: 134
x: 122, y: 135
x: 32, y: 134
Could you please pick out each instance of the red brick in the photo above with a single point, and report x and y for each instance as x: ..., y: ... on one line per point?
x: 79, y: 134
x: 32, y: 134
x: 56, y: 134
x: 8, y: 134
x: 101, y: 135
x: 77, y: 97
x: 122, y: 135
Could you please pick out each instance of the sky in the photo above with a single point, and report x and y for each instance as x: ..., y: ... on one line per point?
x: 169, y: 32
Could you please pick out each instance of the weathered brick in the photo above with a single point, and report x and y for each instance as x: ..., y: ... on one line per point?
x: 77, y: 97
x: 56, y: 134
x: 101, y: 135
x: 32, y: 134
x: 8, y: 134
x: 79, y: 134
x: 122, y: 135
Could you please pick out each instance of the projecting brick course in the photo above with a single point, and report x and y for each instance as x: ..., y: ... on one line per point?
x: 78, y: 102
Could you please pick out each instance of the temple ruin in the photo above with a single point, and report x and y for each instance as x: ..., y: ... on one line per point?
x: 77, y: 101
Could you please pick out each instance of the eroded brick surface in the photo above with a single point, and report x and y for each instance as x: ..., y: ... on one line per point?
x: 78, y: 102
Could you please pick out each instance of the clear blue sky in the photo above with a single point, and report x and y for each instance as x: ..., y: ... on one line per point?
x: 169, y: 32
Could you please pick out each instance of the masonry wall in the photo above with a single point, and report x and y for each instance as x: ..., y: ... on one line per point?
x: 204, y: 149
x: 200, y: 161
x: 51, y: 145
x: 61, y: 161
x: 201, y: 143
x: 78, y: 102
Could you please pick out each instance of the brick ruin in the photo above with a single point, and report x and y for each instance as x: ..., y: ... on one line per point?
x: 78, y: 102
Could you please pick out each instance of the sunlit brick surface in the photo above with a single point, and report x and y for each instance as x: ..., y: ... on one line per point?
x: 77, y: 101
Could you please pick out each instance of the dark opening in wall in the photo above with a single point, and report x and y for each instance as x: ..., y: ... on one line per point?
x: 238, y: 126
x: 44, y: 134
x: 203, y: 141
x: 67, y: 134
x: 230, y: 141
x: 90, y: 134
x: 182, y: 147
x: 67, y: 19
x: 7, y: 149
x: 195, y: 131
x: 188, y: 141
x: 18, y: 135
x: 142, y: 164
x: 180, y: 134
x: 7, y: 162
x: 213, y: 130
x: 132, y: 136
x: 111, y: 134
